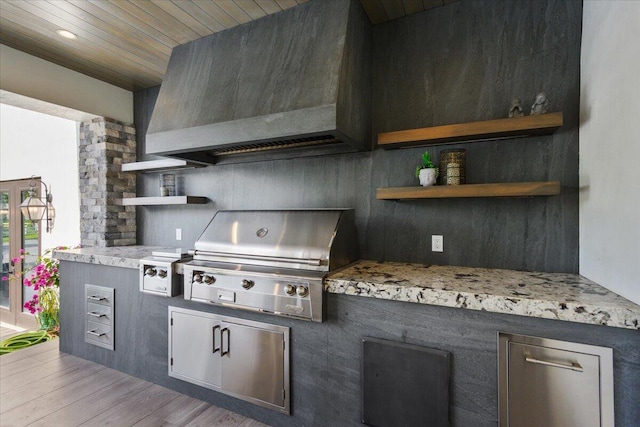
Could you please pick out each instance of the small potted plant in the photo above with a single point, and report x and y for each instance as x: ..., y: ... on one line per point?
x: 427, y: 172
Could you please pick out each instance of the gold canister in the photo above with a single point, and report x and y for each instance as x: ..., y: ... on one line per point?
x: 452, y: 167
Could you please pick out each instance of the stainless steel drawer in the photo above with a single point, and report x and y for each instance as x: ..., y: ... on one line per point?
x: 99, y: 294
x: 99, y: 334
x: 100, y: 313
x: 552, y: 383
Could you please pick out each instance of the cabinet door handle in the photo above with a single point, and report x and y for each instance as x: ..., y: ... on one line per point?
x: 573, y: 366
x: 96, y: 314
x: 97, y: 334
x: 222, y: 350
x: 213, y: 331
x: 96, y: 298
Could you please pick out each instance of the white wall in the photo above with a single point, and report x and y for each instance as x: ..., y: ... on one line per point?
x: 610, y: 146
x: 33, y: 77
x: 42, y: 145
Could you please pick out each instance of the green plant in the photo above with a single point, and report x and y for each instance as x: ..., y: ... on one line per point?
x: 426, y: 164
x: 44, y: 277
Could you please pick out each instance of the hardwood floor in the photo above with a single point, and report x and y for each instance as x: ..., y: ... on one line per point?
x: 75, y: 392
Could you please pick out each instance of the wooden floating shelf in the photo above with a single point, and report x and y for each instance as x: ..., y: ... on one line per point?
x: 543, y: 124
x: 513, y: 189
x: 168, y: 200
x: 158, y: 165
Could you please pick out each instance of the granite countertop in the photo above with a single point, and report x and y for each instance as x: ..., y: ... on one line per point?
x: 559, y: 296
x: 117, y: 256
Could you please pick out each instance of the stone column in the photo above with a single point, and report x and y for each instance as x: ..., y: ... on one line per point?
x: 104, y: 145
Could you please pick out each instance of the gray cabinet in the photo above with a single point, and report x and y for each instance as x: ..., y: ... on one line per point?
x: 245, y: 359
x: 552, y: 383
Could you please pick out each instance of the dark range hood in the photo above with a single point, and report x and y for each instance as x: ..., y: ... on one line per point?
x: 292, y: 84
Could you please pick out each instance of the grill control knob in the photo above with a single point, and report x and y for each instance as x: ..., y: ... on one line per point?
x: 150, y: 271
x: 162, y: 273
x: 290, y: 289
x: 197, y: 277
x: 302, y: 291
x: 209, y: 280
x: 247, y: 284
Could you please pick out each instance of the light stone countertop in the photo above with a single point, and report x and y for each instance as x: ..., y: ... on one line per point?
x: 116, y: 256
x: 559, y: 296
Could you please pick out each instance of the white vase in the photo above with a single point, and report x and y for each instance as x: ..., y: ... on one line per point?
x: 427, y: 177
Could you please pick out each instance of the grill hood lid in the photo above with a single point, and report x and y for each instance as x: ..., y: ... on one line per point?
x: 291, y: 84
x: 306, y: 239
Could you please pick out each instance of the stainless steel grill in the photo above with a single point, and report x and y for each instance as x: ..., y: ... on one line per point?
x: 271, y: 261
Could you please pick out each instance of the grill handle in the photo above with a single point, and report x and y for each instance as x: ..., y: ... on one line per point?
x: 225, y: 257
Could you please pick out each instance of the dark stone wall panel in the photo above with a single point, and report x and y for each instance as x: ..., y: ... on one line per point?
x: 457, y: 63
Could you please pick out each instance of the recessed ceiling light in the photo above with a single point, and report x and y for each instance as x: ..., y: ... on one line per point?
x: 66, y: 34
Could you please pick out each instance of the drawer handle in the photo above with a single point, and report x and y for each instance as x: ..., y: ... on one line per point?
x: 96, y: 298
x: 573, y: 366
x: 96, y: 314
x: 97, y: 334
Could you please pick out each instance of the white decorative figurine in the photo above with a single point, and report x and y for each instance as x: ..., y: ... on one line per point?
x: 541, y: 105
x: 516, y: 108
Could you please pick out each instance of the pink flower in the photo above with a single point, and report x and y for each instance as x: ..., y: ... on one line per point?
x: 15, y: 260
x: 21, y: 251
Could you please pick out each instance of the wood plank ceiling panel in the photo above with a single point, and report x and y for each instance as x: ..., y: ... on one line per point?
x: 90, y: 37
x: 92, y: 50
x: 234, y: 11
x: 128, y: 42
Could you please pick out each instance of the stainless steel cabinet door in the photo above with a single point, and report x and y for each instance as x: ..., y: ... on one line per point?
x: 551, y: 383
x: 194, y: 356
x: 253, y: 363
x: 552, y: 390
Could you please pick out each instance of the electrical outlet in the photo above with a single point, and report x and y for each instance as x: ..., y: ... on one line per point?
x: 178, y: 233
x: 437, y: 243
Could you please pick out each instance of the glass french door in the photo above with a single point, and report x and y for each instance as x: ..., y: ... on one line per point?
x: 19, y: 236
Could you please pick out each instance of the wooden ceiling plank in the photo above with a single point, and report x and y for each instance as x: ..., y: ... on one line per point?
x: 118, y: 28
x: 182, y: 16
x: 412, y: 6
x: 86, y: 24
x: 30, y: 46
x: 393, y: 9
x: 286, y: 4
x: 234, y: 11
x: 160, y: 19
x: 65, y: 55
x: 430, y: 4
x: 166, y: 17
x: 251, y: 8
x: 200, y: 15
x: 269, y: 6
x: 212, y: 9
x: 48, y: 14
x: 85, y: 48
x: 138, y: 24
x: 374, y: 10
